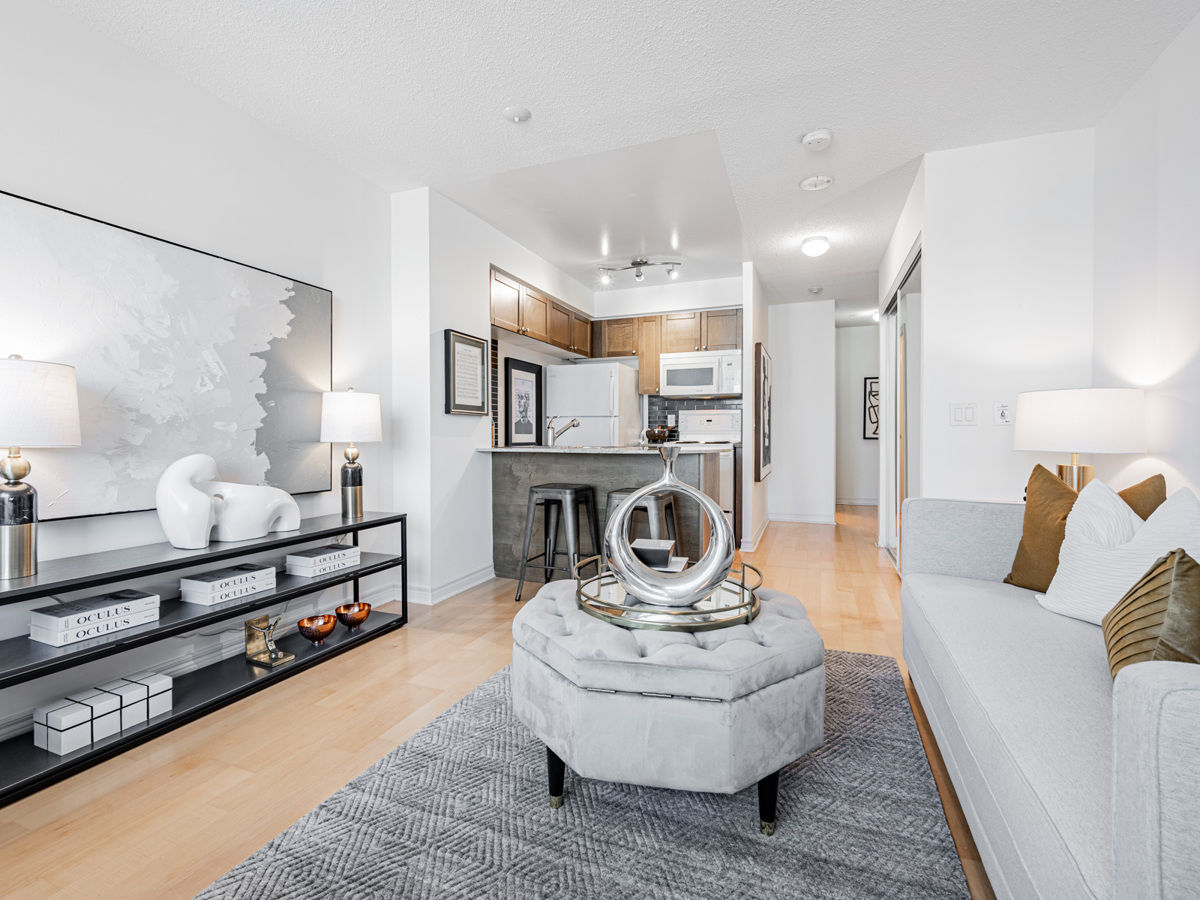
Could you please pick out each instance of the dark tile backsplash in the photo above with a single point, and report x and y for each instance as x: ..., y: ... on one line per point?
x: 661, y: 407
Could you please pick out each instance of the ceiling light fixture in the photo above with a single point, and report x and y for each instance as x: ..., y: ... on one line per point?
x: 815, y: 245
x: 816, y: 182
x: 875, y: 315
x: 637, y: 265
x: 815, y: 290
x: 817, y: 140
x: 517, y: 114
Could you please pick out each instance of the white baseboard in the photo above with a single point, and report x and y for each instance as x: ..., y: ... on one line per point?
x: 750, y: 544
x: 803, y: 519
x: 849, y: 502
x: 428, y: 596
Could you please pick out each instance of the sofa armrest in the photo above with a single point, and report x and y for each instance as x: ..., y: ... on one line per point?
x: 966, y: 538
x: 1156, y: 780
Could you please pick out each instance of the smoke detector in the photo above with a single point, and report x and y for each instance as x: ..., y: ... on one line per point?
x: 817, y: 140
x: 816, y: 182
x: 815, y: 290
x: 517, y: 114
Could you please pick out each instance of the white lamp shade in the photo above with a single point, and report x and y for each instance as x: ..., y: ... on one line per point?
x: 350, y: 416
x: 39, y: 405
x: 1086, y: 420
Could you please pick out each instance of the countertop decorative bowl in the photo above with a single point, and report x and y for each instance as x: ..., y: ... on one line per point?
x: 352, y: 615
x: 658, y: 435
x: 317, y: 628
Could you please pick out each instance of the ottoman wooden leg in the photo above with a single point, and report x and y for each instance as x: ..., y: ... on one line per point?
x: 557, y: 770
x: 768, y: 795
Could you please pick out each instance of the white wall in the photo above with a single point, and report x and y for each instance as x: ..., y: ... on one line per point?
x: 906, y: 239
x: 1147, y: 262
x: 715, y: 293
x: 804, y: 418
x: 92, y: 127
x: 1007, y: 300
x: 755, y: 326
x: 857, y: 358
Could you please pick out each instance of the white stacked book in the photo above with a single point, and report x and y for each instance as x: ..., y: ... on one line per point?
x: 81, y: 620
x: 223, y: 585
x: 322, y: 560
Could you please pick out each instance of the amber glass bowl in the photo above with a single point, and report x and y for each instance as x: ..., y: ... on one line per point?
x: 317, y: 628
x: 353, y: 614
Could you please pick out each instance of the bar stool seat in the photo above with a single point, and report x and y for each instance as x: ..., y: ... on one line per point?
x: 558, y: 500
x: 661, y: 511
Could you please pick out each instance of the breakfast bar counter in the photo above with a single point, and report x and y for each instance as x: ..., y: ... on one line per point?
x: 516, y: 469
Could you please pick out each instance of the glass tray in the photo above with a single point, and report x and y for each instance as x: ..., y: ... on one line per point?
x: 733, y: 603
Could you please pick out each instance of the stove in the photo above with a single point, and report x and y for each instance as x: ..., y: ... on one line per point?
x: 717, y: 426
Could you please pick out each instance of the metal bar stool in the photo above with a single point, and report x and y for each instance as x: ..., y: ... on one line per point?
x: 558, y: 500
x: 656, y: 506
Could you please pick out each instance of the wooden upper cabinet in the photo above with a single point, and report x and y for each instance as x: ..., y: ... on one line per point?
x: 721, y: 329
x: 581, y: 335
x: 535, y: 315
x: 558, y: 327
x: 619, y: 337
x: 681, y: 332
x: 649, y: 344
x: 506, y: 303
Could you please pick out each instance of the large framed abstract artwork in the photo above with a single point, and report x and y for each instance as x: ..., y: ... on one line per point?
x: 176, y: 352
x: 871, y: 408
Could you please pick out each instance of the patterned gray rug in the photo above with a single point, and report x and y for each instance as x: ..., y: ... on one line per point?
x: 460, y: 811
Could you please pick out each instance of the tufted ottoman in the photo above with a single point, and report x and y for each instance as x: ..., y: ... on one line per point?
x: 707, y: 711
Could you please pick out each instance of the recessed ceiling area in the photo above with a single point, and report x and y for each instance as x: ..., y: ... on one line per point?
x: 668, y: 199
x: 410, y: 94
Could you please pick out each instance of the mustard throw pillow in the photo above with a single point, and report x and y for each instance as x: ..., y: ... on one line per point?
x: 1048, y: 501
x: 1159, y: 619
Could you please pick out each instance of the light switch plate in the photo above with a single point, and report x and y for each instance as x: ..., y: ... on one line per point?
x: 964, y: 414
x: 671, y: 420
x: 1003, y: 413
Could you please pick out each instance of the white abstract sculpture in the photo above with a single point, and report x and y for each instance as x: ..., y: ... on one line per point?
x: 190, y: 503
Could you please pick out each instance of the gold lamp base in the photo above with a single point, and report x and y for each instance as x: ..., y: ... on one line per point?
x: 1075, y: 475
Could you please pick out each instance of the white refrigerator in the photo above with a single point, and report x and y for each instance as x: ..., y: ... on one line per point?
x: 602, y: 396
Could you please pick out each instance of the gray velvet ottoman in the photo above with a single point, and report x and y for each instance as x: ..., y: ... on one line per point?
x: 710, y: 711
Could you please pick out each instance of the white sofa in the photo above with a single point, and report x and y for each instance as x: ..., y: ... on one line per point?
x: 1074, y: 786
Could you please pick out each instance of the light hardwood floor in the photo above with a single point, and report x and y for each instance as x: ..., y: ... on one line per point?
x: 167, y: 818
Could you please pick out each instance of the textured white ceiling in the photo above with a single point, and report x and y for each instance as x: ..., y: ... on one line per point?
x: 409, y: 94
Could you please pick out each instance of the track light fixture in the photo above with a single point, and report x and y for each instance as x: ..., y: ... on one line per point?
x: 637, y: 265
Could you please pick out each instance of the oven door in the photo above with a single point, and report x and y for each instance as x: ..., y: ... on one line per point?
x: 689, y: 374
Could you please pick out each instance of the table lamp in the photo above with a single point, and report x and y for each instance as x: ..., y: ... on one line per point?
x: 350, y: 417
x: 1085, y: 420
x: 39, y: 407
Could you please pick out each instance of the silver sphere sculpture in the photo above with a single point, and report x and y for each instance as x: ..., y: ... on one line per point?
x: 684, y: 588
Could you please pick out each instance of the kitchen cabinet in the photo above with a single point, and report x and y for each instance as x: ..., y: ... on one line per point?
x: 581, y: 334
x: 558, y: 326
x: 506, y: 303
x: 649, y: 342
x: 618, y: 337
x: 535, y: 314
x: 721, y: 329
x: 681, y: 332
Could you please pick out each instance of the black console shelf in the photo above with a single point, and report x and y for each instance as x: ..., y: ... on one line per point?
x: 24, y: 768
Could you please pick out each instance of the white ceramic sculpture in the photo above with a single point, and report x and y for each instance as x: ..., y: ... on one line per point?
x: 191, y: 503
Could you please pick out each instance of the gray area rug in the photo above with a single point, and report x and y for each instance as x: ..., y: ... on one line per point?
x: 460, y: 811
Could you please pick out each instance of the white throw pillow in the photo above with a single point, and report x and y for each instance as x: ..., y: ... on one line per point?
x: 1107, y: 548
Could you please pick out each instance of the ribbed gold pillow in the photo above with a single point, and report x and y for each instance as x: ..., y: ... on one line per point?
x: 1159, y: 619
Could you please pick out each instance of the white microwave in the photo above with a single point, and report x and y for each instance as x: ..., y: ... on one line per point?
x: 715, y: 373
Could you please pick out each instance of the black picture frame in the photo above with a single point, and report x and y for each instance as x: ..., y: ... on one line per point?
x: 871, y: 408
x: 764, y: 386
x: 516, y: 418
x: 456, y: 342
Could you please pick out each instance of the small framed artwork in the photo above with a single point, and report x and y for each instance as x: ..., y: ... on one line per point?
x: 466, y: 374
x: 871, y: 408
x: 522, y: 403
x: 762, y: 412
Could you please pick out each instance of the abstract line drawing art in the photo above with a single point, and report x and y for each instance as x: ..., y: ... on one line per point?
x: 871, y: 408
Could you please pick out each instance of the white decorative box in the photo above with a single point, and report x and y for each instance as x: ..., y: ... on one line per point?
x: 81, y: 620
x: 87, y: 632
x: 106, y: 712
x: 134, y: 706
x: 322, y: 560
x: 212, y: 598
x: 158, y: 687
x: 226, y: 579
x: 62, y: 727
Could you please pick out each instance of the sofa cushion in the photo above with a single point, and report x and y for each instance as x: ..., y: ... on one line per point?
x: 715, y: 665
x: 1030, y: 693
x: 1159, y: 619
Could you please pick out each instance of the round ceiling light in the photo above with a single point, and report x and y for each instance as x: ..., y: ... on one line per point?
x: 637, y: 275
x: 814, y: 246
x: 517, y: 114
x: 817, y: 140
x: 815, y: 290
x: 816, y: 182
x: 605, y: 278
x: 673, y: 272
x: 875, y: 315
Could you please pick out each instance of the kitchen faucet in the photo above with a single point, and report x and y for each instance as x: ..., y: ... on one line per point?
x: 552, y: 435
